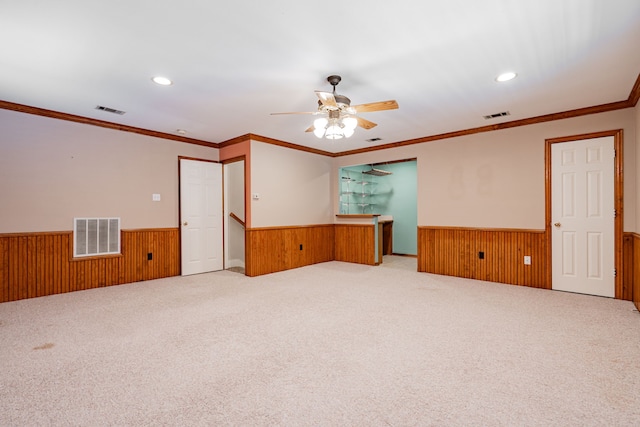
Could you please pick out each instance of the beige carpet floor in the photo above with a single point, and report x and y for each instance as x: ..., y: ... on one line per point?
x: 332, y: 344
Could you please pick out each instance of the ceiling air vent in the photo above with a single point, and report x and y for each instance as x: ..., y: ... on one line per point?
x: 496, y: 115
x: 373, y: 139
x: 109, y: 110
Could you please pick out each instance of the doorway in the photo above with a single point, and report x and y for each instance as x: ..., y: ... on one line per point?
x: 389, y: 189
x: 234, y: 215
x: 584, y: 213
x: 201, y: 224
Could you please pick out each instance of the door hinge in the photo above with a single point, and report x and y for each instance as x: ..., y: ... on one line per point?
x: 615, y: 272
x: 615, y: 213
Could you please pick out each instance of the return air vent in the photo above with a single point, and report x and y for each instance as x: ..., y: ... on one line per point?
x: 109, y: 110
x: 496, y: 115
x: 96, y: 236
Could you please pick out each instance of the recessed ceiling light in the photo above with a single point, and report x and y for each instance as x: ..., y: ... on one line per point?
x: 505, y: 77
x: 181, y: 131
x: 162, y: 81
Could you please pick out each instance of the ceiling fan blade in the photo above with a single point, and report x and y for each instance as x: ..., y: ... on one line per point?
x: 364, y: 123
x: 310, y: 129
x: 296, y: 112
x: 376, y: 106
x: 327, y: 99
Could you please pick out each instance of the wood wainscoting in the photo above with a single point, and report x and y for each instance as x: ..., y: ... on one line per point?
x: 636, y: 270
x: 39, y: 264
x: 272, y: 249
x: 631, y: 262
x: 356, y: 243
x: 454, y: 251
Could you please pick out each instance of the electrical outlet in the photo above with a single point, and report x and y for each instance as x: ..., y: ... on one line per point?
x: 300, y: 246
x: 149, y: 256
x: 527, y: 260
x: 480, y: 255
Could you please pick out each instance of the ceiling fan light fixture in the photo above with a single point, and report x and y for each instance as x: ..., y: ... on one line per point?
x: 320, y: 123
x: 319, y: 126
x: 334, y: 127
x: 350, y: 123
x: 334, y: 131
x: 338, y: 119
x: 348, y: 132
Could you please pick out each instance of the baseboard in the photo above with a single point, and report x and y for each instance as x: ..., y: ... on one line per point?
x: 235, y: 263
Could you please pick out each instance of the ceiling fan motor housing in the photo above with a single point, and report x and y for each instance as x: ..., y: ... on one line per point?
x: 342, y: 101
x: 334, y: 80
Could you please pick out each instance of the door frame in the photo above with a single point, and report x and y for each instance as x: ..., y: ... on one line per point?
x: 197, y: 159
x: 241, y: 158
x: 618, y: 199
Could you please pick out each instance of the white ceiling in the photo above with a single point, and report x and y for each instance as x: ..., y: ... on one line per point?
x: 234, y: 62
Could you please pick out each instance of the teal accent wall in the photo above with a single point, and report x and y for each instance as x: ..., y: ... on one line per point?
x: 396, y: 195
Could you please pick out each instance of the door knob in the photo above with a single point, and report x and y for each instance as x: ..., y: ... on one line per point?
x: 557, y: 224
x: 185, y: 223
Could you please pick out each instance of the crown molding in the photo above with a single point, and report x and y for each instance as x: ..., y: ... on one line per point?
x: 635, y: 93
x: 631, y: 101
x: 267, y: 140
x: 6, y: 105
x: 499, y: 126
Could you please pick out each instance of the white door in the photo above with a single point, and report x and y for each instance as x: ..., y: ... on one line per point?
x: 201, y: 216
x: 582, y: 216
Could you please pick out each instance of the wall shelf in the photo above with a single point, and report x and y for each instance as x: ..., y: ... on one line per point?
x: 357, y: 195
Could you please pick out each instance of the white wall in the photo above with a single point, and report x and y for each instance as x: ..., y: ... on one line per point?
x: 53, y: 170
x: 294, y: 187
x: 496, y: 179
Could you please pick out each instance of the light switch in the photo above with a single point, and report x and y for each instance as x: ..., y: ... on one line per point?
x: 527, y: 260
x: 256, y: 196
x: 156, y: 197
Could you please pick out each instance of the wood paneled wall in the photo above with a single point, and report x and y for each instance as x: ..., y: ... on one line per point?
x: 355, y: 243
x: 454, y: 252
x: 632, y: 266
x: 636, y: 270
x: 279, y: 248
x: 39, y: 264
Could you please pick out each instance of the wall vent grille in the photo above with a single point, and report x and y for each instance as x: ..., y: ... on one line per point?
x: 96, y: 236
x: 496, y: 115
x: 109, y: 110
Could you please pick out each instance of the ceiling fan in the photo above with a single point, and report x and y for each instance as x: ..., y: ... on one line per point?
x: 338, y: 117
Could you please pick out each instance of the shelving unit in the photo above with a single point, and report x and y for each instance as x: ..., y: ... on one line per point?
x: 357, y: 192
